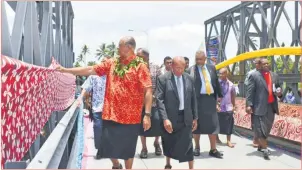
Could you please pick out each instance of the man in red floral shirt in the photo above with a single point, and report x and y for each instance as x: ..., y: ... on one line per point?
x: 128, y: 87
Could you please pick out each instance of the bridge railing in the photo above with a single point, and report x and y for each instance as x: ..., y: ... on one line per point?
x: 56, y: 152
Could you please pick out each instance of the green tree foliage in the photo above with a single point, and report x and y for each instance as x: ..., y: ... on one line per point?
x: 91, y: 63
x: 106, y: 50
x: 77, y: 64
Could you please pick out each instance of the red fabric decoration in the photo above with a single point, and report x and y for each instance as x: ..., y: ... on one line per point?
x: 29, y: 94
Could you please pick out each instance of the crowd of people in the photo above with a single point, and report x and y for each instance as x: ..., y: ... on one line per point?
x: 133, y: 97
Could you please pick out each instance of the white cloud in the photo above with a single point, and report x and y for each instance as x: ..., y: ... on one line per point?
x: 183, y: 39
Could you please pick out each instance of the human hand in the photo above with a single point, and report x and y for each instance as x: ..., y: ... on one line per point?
x: 194, y: 125
x: 146, y: 123
x: 218, y: 108
x: 60, y: 68
x: 79, y: 101
x: 168, y: 126
x: 234, y: 109
x: 249, y: 110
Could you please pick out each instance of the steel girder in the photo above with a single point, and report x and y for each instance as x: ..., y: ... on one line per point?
x: 244, y: 15
x: 32, y: 39
x: 41, y: 30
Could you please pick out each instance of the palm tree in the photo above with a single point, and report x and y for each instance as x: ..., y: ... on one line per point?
x: 101, y: 51
x: 80, y: 58
x: 106, y: 50
x: 91, y: 63
x: 111, y: 49
x: 77, y: 64
x: 85, y: 51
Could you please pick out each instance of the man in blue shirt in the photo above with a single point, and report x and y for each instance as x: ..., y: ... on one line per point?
x: 96, y: 85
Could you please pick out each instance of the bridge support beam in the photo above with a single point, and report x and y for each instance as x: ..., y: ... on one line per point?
x: 240, y: 19
x: 31, y: 39
x: 40, y: 30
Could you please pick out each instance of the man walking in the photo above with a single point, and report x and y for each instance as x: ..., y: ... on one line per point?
x: 128, y: 81
x: 155, y: 130
x: 257, y: 68
x: 227, y: 106
x: 262, y: 92
x: 167, y: 65
x: 96, y: 86
x: 175, y: 94
x: 207, y: 89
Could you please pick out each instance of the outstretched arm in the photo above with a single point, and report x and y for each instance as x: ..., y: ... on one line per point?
x: 100, y: 69
x: 80, y: 71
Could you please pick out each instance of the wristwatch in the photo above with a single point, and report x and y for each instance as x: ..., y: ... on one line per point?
x: 148, y: 114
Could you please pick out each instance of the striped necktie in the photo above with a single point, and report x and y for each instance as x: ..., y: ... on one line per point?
x: 206, y: 79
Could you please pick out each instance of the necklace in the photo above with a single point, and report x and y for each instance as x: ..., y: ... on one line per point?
x: 121, y: 69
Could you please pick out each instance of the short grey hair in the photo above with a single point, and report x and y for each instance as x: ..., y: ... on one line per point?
x: 144, y: 51
x: 131, y: 42
x: 200, y: 52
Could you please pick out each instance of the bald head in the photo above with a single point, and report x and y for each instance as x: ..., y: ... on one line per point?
x: 179, y: 60
x: 178, y: 65
x: 200, y: 58
x: 223, y: 73
x: 223, y: 70
x: 126, y: 47
x: 128, y: 41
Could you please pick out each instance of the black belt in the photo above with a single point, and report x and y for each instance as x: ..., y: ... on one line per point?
x: 181, y: 111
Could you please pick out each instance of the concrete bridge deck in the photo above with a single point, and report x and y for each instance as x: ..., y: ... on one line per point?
x: 243, y: 156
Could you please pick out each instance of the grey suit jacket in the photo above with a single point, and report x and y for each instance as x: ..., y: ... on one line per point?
x: 257, y: 93
x: 167, y: 98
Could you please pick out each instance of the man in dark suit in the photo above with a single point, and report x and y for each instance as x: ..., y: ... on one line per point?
x: 262, y: 92
x: 176, y: 101
x: 207, y: 91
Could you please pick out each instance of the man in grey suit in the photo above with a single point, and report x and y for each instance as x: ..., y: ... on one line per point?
x: 246, y: 81
x: 176, y: 101
x: 262, y: 92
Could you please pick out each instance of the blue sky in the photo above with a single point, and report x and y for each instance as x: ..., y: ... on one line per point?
x: 174, y: 28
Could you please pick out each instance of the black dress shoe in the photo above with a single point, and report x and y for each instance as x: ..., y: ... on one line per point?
x: 168, y: 167
x: 98, y: 155
x: 119, y: 167
x: 144, y: 154
x: 215, y: 153
x: 158, y: 151
x: 266, y: 154
x: 261, y: 150
x: 196, y: 152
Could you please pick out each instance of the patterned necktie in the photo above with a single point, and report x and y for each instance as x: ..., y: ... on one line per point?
x: 206, y: 79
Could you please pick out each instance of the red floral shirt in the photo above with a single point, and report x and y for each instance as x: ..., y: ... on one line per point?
x: 124, y: 96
